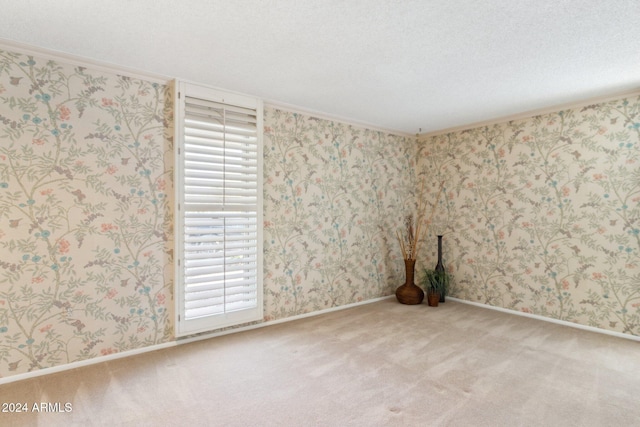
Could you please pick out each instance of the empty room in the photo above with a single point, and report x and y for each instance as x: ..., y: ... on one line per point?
x: 338, y: 213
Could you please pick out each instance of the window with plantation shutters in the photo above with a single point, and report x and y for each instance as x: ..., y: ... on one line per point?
x: 219, y: 209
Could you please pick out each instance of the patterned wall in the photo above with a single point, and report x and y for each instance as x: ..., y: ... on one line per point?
x: 334, y: 196
x: 85, y: 213
x: 539, y: 215
x: 543, y: 215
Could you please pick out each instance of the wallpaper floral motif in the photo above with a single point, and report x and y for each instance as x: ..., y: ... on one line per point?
x: 543, y: 215
x: 335, y: 195
x: 85, y: 213
x: 86, y: 164
x: 539, y: 215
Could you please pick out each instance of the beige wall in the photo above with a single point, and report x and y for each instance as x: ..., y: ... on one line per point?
x: 86, y: 230
x: 85, y: 213
x: 542, y: 215
x: 334, y: 196
x: 539, y: 215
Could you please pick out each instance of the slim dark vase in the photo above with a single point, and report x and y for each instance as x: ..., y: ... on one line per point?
x: 440, y: 265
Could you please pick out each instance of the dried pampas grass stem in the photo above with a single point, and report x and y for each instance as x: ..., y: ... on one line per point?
x: 410, y: 242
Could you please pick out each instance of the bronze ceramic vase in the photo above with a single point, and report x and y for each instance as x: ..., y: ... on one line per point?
x: 409, y: 293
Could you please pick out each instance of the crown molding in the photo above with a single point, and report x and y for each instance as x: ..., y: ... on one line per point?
x: 80, y: 61
x: 334, y: 118
x: 537, y: 112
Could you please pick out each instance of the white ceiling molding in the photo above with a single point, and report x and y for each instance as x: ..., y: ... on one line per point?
x: 529, y: 114
x: 334, y: 118
x: 71, y: 59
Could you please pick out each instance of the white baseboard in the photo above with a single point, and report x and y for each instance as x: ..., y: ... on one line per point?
x: 82, y: 363
x: 549, y: 319
x: 277, y: 321
x: 101, y: 359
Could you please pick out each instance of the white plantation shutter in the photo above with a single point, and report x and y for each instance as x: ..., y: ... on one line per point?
x: 218, y: 176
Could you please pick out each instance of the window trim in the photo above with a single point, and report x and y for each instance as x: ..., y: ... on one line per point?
x: 183, y: 327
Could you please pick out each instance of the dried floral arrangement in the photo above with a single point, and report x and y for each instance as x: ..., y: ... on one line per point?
x: 410, y: 240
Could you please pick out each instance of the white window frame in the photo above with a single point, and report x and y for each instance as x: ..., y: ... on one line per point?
x: 184, y: 325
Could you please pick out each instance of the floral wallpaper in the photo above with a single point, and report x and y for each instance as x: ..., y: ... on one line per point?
x: 85, y: 213
x: 335, y: 195
x: 543, y: 215
x: 86, y: 243
x: 539, y: 215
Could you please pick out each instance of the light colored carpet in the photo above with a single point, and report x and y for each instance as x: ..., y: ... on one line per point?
x: 380, y: 364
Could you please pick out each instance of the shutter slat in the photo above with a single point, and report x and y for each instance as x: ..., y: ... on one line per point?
x: 230, y: 146
x: 199, y: 130
x: 247, y: 169
x: 202, y: 261
x: 214, y: 175
x: 244, y: 190
x: 193, y: 284
x: 197, y: 104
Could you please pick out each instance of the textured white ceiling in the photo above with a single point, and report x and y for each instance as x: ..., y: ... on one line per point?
x: 400, y: 65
